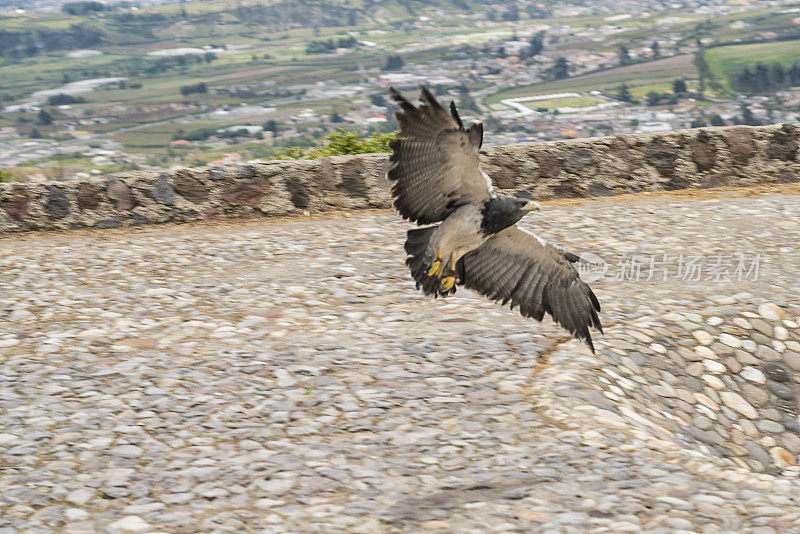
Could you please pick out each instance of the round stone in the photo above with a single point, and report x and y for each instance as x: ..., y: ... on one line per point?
x: 731, y: 341
x: 703, y: 337
x: 771, y: 311
x: 781, y: 457
x: 705, y: 352
x: 792, y: 359
x: 781, y: 333
x: 756, y: 395
x: 714, y: 366
x: 749, y: 345
x: 766, y: 425
x: 752, y: 374
x: 131, y: 523
x: 736, y: 402
x: 714, y: 382
x: 702, y: 422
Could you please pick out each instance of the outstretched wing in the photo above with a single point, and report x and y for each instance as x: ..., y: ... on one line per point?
x: 517, y: 266
x: 434, y: 164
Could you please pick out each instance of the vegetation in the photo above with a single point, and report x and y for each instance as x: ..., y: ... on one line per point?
x: 624, y: 55
x: 319, y: 46
x: 82, y: 8
x: 5, y: 176
x: 61, y: 99
x: 735, y: 67
x: 187, y: 90
x: 624, y: 94
x: 394, y: 63
x: 16, y: 45
x: 763, y: 78
x: 561, y: 68
x: 340, y: 142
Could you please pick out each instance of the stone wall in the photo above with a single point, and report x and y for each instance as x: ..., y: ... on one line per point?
x: 707, y: 157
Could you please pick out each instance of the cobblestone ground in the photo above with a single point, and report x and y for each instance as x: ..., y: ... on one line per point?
x: 286, y: 377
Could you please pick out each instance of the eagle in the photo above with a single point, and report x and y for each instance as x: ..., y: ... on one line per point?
x: 468, y: 233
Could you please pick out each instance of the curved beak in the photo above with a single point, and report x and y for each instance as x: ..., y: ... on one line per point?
x: 531, y: 206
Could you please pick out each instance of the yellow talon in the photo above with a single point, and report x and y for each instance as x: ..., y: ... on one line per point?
x: 447, y: 283
x: 434, y: 270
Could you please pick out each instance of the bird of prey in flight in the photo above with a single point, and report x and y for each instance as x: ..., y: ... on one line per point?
x: 437, y: 178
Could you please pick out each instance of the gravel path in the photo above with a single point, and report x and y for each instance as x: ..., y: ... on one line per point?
x: 286, y: 377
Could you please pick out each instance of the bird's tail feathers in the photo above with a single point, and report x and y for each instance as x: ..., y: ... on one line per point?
x: 416, y: 245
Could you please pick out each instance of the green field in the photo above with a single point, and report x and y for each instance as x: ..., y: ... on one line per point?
x: 271, y: 38
x: 727, y: 61
x: 648, y: 75
x: 554, y: 103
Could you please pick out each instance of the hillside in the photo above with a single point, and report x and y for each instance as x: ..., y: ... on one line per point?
x: 114, y: 87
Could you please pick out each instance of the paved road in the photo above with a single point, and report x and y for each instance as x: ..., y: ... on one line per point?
x: 284, y: 376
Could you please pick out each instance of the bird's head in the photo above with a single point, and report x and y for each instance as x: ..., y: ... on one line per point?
x: 526, y: 205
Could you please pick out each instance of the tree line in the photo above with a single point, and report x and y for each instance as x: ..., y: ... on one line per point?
x: 322, y: 46
x: 29, y: 43
x: 763, y: 78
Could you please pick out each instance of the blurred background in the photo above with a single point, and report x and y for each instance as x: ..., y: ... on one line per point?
x: 92, y: 87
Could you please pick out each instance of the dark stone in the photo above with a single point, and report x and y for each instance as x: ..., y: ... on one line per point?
x: 549, y: 166
x: 781, y: 391
x: 325, y: 176
x: 741, y: 144
x: 163, y: 192
x: 244, y: 172
x: 249, y: 193
x: 505, y: 176
x: 677, y: 182
x: 599, y: 189
x: 120, y: 194
x: 714, y: 180
x: 139, y: 220
x: 190, y: 188
x: 578, y: 159
x: 109, y: 223
x: 783, y: 145
x: 787, y: 176
x: 776, y: 372
x: 567, y: 190
x: 662, y: 157
x: 57, y: 205
x: 353, y: 179
x: 517, y: 493
x: 298, y: 192
x: 704, y: 153
x: 88, y: 196
x: 791, y: 424
x: 757, y: 452
x: 16, y: 204
x: 701, y: 435
x: 216, y: 173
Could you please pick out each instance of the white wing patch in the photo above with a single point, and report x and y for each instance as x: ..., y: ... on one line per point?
x: 488, y: 181
x: 541, y: 241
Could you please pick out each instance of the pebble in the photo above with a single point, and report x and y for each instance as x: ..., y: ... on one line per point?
x: 770, y: 311
x: 131, y: 523
x: 81, y: 496
x: 285, y: 376
x: 753, y: 374
x: 703, y: 337
x: 736, y: 402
